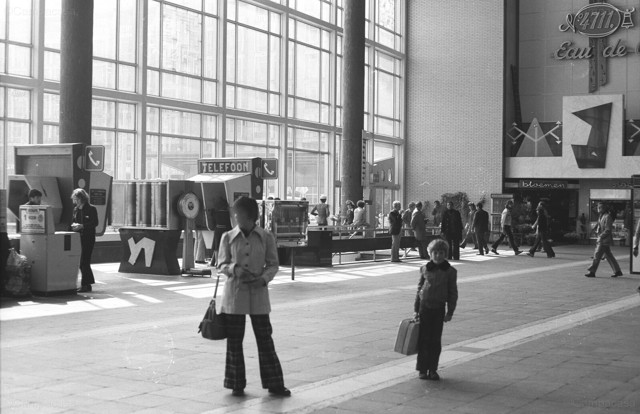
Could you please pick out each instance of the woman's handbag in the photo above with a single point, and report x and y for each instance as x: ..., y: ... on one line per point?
x: 213, y: 325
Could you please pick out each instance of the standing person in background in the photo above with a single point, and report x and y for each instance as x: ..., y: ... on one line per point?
x: 85, y: 221
x: 542, y: 232
x: 452, y: 230
x: 35, y: 197
x: 469, y: 229
x: 406, y: 220
x: 418, y: 222
x: 505, y: 225
x: 480, y: 227
x: 395, y: 229
x: 200, y: 248
x: 636, y: 240
x: 321, y: 211
x: 249, y: 258
x: 406, y: 215
x: 583, y: 227
x: 359, y: 215
x: 604, y: 231
x: 636, y: 243
x: 348, y: 220
x: 436, y: 213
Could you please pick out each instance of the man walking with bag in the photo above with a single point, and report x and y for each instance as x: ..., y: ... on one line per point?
x: 249, y: 258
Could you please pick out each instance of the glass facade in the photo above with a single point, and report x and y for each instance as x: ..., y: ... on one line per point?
x: 207, y: 78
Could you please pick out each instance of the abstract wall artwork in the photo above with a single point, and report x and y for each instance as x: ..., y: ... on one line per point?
x: 541, y: 139
x: 592, y: 123
x: 631, y: 138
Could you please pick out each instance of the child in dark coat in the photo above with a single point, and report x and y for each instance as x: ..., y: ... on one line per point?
x: 437, y: 288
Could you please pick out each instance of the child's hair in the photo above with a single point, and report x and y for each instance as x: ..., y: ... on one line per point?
x: 439, y: 245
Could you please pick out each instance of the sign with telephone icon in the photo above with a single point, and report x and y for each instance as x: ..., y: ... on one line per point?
x: 94, y: 158
x: 269, y: 168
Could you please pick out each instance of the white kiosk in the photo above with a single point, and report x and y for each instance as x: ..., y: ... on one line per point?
x: 53, y: 255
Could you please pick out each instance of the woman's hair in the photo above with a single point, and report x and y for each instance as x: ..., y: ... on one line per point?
x: 396, y: 203
x: 350, y: 203
x: 439, y: 245
x: 80, y: 194
x: 361, y: 204
x: 248, y: 205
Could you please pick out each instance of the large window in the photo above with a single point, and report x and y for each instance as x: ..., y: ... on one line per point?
x: 114, y: 126
x: 114, y: 43
x: 309, y: 72
x: 253, y: 58
x: 182, y: 50
x: 307, y: 164
x: 15, y: 37
x: 175, y: 140
x: 177, y: 80
x: 15, y: 125
x: 246, y: 139
x: 387, y: 95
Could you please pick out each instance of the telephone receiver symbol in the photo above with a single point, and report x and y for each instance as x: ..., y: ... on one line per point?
x: 266, y: 168
x: 96, y: 163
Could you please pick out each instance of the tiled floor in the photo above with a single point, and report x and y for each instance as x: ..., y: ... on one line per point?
x: 529, y: 335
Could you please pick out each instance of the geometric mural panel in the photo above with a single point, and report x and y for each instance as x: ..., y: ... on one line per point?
x: 594, y: 153
x: 537, y: 139
x: 631, y: 138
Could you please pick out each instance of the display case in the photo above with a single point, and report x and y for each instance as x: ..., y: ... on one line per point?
x: 286, y: 220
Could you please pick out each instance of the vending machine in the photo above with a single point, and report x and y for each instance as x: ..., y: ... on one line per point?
x: 53, y: 255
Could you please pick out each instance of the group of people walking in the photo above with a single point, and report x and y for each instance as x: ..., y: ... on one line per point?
x: 477, y: 229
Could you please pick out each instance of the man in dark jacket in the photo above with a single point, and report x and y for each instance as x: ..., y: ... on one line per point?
x: 480, y: 226
x: 452, y: 230
x: 542, y: 236
x: 395, y: 230
x: 85, y: 221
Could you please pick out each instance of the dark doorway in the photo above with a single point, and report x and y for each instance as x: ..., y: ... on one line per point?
x: 562, y: 206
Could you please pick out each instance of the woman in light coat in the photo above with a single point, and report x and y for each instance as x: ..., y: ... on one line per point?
x: 249, y: 258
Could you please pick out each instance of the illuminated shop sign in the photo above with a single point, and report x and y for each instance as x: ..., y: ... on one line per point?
x: 596, y: 20
x: 543, y: 184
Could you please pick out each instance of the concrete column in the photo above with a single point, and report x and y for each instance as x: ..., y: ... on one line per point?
x: 76, y: 54
x: 352, y: 99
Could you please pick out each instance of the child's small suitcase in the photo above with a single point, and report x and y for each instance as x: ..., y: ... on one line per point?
x: 407, y: 340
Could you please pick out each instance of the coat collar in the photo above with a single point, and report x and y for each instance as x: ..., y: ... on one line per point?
x: 443, y: 266
x: 235, y: 232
